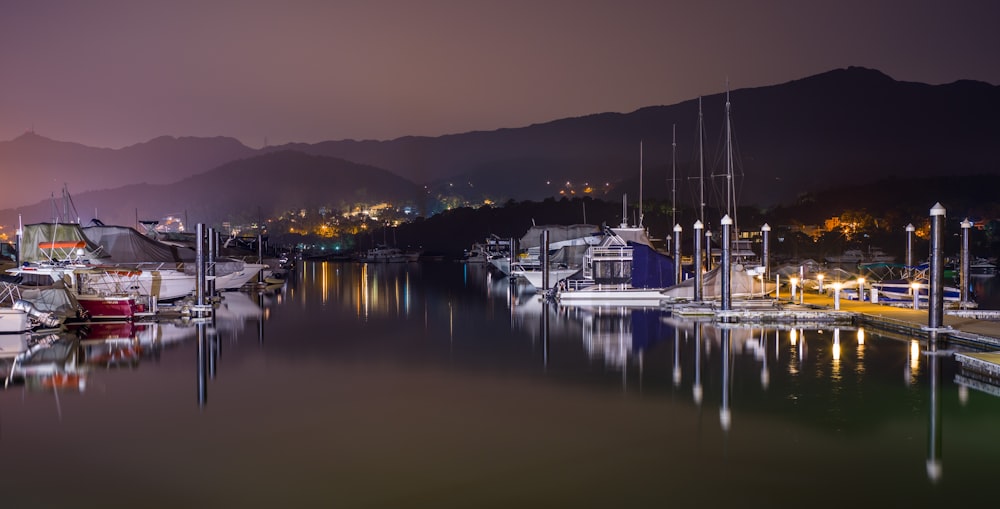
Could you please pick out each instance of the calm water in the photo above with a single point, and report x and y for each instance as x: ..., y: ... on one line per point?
x: 433, y: 386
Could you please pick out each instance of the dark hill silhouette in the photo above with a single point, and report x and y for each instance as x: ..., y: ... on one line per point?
x: 851, y: 125
x: 35, y: 167
x: 240, y: 190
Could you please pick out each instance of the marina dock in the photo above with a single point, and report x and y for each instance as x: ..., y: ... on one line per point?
x: 976, y: 328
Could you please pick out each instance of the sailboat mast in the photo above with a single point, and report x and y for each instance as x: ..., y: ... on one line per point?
x: 640, y: 183
x: 729, y: 158
x: 673, y: 178
x: 701, y: 164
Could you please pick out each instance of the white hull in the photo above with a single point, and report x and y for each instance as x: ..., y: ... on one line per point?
x: 534, y: 277
x: 235, y: 280
x: 13, y: 321
x: 611, y: 295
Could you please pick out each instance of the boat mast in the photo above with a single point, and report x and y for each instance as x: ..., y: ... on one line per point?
x: 673, y: 179
x: 729, y: 157
x: 701, y: 163
x: 640, y: 183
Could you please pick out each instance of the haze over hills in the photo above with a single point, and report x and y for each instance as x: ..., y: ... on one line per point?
x: 242, y: 190
x: 847, y: 125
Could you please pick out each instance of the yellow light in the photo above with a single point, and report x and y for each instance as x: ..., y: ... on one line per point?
x: 861, y: 336
x: 793, y: 337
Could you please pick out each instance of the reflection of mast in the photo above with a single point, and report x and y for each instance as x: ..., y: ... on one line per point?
x: 202, y: 366
x: 725, y: 415
x: 934, y: 468
x: 677, y: 357
x: 697, y: 389
x: 765, y: 375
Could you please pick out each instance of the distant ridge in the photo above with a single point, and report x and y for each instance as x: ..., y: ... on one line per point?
x: 852, y: 125
x: 246, y: 189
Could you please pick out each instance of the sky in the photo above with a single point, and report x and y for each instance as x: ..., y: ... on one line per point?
x: 116, y: 73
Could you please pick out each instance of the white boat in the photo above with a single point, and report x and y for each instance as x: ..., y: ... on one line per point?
x: 485, y: 252
x: 14, y: 321
x: 386, y: 254
x: 614, y: 274
x: 982, y: 267
x: 535, y: 277
x: 236, y: 278
x: 855, y: 255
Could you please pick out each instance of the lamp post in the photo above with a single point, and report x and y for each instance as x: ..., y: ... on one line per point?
x: 861, y: 289
x: 916, y: 294
x: 793, y: 281
x: 708, y: 250
x: 935, y: 294
x: 819, y: 279
x: 727, y: 291
x: 909, y: 247
x: 836, y: 296
x: 964, y: 275
x: 765, y: 253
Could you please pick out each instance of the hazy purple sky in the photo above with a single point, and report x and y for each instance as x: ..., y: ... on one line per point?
x: 114, y: 73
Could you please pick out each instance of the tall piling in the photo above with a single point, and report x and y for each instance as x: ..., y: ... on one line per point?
x: 935, y: 306
x: 697, y: 260
x: 678, y: 269
x: 964, y: 269
x: 727, y: 261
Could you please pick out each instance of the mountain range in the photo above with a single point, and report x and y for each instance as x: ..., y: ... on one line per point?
x: 852, y: 125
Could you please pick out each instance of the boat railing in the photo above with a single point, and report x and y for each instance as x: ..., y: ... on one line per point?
x: 9, y: 293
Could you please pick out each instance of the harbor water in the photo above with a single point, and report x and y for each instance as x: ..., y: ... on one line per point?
x: 440, y: 385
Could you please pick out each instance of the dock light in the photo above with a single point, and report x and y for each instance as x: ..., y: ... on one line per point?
x: 916, y: 294
x: 836, y: 295
x: 861, y: 289
x: 793, y: 336
x: 794, y: 281
x: 861, y: 336
x: 819, y: 278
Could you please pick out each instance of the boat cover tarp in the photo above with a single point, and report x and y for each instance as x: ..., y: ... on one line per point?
x: 45, y: 242
x: 742, y: 284
x: 126, y: 246
x: 651, y: 269
x: 570, y: 256
x: 558, y: 233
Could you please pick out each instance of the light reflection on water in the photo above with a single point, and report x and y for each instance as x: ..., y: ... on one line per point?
x: 408, y: 384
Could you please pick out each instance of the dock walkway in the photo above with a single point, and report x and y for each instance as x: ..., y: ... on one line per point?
x: 972, y: 328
